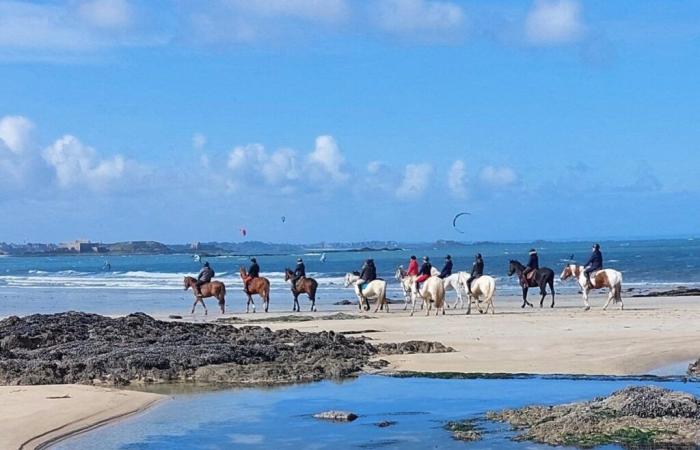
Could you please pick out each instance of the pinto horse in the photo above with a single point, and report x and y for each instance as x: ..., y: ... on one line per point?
x: 305, y: 285
x: 543, y: 277
x: 606, y: 278
x: 257, y: 286
x: 212, y: 289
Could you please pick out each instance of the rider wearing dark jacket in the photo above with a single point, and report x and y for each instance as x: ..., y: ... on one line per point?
x: 253, y: 272
x: 595, y: 262
x: 205, y: 276
x: 477, y: 271
x: 447, y: 268
x: 425, y: 272
x: 299, y: 272
x: 369, y: 271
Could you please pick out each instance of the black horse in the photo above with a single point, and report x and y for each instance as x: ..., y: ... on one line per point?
x: 542, y: 278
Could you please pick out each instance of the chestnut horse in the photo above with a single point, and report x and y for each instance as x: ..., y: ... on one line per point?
x: 305, y: 285
x: 257, y: 286
x: 212, y: 289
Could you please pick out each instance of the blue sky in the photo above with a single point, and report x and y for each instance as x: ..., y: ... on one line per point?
x: 357, y: 120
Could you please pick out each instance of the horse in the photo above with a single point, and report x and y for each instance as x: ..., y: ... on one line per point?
x: 543, y: 277
x: 374, y: 289
x: 305, y: 285
x: 605, y: 278
x: 433, y: 291
x: 212, y: 289
x: 257, y: 286
x: 452, y: 283
x: 484, y: 286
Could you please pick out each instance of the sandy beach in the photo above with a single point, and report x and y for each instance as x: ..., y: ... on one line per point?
x: 34, y: 416
x: 649, y: 333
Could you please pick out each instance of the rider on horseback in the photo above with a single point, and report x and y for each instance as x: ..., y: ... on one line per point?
x: 205, y: 276
x: 412, y: 267
x: 447, y: 269
x: 477, y: 271
x: 367, y: 275
x: 299, y: 272
x: 425, y: 272
x: 595, y: 263
x: 533, y: 264
x: 253, y: 272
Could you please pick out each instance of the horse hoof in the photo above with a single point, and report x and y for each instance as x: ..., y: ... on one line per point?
x: 587, y: 308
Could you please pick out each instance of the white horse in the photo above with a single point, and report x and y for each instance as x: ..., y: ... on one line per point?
x: 606, y: 278
x: 375, y: 289
x: 433, y: 291
x: 452, y: 283
x: 483, y: 287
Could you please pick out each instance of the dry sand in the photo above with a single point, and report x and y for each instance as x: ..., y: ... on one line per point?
x: 648, y: 334
x: 32, y: 416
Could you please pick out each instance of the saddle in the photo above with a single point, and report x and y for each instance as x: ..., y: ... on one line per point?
x: 299, y: 285
x: 529, y: 279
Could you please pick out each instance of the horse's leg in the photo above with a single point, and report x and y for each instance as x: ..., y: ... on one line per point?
x: 194, y: 304
x: 584, y: 292
x: 204, y: 305
x: 525, y: 302
x: 611, y: 294
x: 222, y: 303
x: 413, y: 303
x: 543, y: 293
x: 551, y: 289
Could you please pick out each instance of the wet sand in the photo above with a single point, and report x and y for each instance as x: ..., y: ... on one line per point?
x: 33, y: 416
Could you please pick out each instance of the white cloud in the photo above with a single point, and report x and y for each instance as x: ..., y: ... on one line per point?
x: 328, y: 11
x: 15, y: 133
x: 421, y: 17
x: 374, y: 167
x: 457, y: 179
x: 415, y: 181
x: 76, y: 164
x: 498, y: 176
x: 109, y: 14
x: 327, y: 159
x: 199, y: 141
x: 552, y: 22
x: 250, y: 161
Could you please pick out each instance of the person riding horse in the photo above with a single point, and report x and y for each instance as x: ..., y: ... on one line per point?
x: 299, y: 273
x: 205, y: 276
x: 412, y: 267
x: 253, y: 272
x: 477, y: 271
x: 595, y: 263
x: 368, y: 274
x: 447, y: 268
x: 425, y: 272
x: 532, y: 265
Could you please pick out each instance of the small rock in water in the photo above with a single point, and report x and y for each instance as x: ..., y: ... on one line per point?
x: 336, y: 416
x: 344, y: 302
x: 174, y: 316
x: 385, y: 423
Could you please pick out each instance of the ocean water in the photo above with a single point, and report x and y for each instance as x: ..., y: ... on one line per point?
x: 281, y: 418
x: 153, y: 283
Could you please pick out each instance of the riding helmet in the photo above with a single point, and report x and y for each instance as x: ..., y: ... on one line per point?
x: 596, y: 246
x: 532, y: 250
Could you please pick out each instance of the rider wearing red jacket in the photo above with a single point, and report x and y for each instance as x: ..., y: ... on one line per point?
x: 412, y: 267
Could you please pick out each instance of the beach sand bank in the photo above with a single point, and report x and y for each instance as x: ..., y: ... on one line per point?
x: 650, y: 333
x: 32, y: 416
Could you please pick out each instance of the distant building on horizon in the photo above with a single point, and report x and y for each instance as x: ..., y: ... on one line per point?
x: 84, y: 246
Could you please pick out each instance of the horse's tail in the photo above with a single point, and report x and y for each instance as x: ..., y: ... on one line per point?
x: 618, y: 288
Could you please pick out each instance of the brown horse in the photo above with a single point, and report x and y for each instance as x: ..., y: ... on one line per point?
x: 259, y: 286
x: 212, y: 289
x: 305, y: 285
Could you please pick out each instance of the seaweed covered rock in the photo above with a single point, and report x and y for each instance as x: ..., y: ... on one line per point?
x: 644, y: 416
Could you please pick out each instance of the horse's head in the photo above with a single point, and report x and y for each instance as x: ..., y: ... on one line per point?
x: 187, y: 282
x: 568, y: 272
x: 348, y: 279
x: 242, y: 271
x: 400, y: 273
x: 512, y: 267
x: 287, y: 274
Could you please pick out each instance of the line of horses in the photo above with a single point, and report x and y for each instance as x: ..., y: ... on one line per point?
x: 432, y: 293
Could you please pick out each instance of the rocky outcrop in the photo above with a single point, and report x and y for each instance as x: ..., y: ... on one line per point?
x: 681, y: 291
x: 336, y: 416
x: 463, y: 430
x: 410, y: 347
x: 647, y: 416
x: 694, y: 369
x: 92, y: 349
